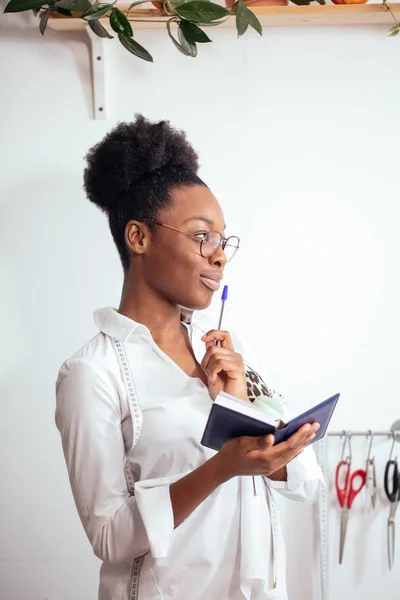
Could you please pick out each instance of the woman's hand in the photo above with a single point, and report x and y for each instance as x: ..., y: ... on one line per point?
x: 258, y: 456
x: 223, y: 366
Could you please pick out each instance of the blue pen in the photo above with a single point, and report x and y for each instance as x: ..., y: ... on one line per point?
x: 223, y: 300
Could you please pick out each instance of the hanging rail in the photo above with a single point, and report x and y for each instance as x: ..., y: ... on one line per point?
x: 366, y: 433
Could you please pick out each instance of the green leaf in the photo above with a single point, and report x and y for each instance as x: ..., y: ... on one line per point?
x: 214, y: 24
x: 301, y: 2
x: 394, y: 33
x: 175, y: 3
x: 43, y: 20
x: 96, y: 12
x: 36, y: 11
x: 193, y: 33
x: 242, y: 18
x: 199, y: 11
x: 99, y: 30
x: 394, y: 28
x: 174, y: 41
x: 21, y: 5
x: 62, y: 11
x: 190, y: 47
x: 75, y: 5
x: 254, y: 22
x: 135, y: 48
x: 322, y: 2
x: 120, y: 23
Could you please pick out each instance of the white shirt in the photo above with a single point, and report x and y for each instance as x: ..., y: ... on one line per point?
x: 120, y: 470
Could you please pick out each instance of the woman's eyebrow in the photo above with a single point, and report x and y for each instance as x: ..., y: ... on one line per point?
x: 204, y: 219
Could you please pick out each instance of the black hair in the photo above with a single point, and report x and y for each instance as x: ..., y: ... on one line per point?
x: 132, y: 171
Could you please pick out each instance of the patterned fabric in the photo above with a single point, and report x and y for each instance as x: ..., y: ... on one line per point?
x: 256, y: 387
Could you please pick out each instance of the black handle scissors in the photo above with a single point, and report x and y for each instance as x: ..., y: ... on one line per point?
x: 392, y: 489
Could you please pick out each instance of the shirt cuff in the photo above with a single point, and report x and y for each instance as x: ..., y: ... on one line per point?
x: 154, y: 503
x: 300, y: 470
x: 303, y: 468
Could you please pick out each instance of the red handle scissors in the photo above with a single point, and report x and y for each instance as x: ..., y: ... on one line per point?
x: 346, y: 494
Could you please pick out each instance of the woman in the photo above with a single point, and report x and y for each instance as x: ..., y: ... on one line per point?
x: 169, y: 518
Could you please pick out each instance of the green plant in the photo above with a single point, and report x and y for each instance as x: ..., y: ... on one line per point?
x: 188, y: 16
x: 395, y: 30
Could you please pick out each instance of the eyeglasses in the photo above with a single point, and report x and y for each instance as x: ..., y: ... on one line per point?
x: 209, y: 242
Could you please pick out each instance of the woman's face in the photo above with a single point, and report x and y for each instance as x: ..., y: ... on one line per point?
x: 172, y: 263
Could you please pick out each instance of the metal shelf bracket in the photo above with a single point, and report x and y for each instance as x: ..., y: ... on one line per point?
x: 100, y: 105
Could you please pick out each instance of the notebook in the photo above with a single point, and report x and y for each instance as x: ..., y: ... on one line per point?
x: 231, y: 417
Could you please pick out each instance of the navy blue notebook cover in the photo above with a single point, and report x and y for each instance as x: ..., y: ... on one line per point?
x: 225, y: 423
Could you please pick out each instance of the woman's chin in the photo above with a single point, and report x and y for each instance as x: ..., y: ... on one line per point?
x: 199, y: 303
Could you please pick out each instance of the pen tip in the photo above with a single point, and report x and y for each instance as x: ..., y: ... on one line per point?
x: 225, y: 293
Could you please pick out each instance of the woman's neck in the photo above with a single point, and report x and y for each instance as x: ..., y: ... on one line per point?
x: 140, y: 304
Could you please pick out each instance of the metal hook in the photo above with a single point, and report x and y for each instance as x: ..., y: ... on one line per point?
x: 370, y: 434
x: 344, y: 443
x: 349, y: 442
x: 393, y: 443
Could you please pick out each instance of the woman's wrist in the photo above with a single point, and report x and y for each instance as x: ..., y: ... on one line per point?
x: 280, y: 475
x: 237, y: 389
x: 217, y: 470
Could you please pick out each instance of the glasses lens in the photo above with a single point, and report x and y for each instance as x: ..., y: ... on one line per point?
x: 231, y: 247
x: 213, y: 241
x: 210, y: 244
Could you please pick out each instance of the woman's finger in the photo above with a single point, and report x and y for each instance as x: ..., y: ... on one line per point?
x: 301, y: 436
x: 215, y: 335
x: 265, y: 441
x: 310, y: 439
x: 225, y: 360
x: 216, y: 352
x: 300, y: 439
x: 256, y: 445
x: 231, y: 366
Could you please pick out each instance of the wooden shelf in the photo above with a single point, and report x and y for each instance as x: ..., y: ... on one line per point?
x: 269, y: 16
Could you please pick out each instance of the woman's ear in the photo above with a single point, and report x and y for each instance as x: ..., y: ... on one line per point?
x: 137, y: 237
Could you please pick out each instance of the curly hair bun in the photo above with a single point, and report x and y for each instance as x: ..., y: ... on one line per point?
x: 131, y: 153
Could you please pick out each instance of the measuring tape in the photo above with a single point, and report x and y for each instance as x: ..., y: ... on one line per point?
x: 322, y: 454
x: 137, y: 420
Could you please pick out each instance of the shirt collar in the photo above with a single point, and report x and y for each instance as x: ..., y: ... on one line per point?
x: 118, y: 326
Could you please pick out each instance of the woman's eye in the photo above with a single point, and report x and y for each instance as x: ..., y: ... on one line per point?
x: 202, y: 235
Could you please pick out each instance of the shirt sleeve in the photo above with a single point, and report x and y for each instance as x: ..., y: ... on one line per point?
x: 304, y: 474
x: 120, y: 526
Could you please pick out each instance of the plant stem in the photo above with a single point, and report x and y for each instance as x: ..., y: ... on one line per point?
x: 127, y: 14
x: 149, y: 20
x: 389, y: 9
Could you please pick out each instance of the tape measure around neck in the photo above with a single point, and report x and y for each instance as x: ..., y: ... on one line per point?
x: 133, y: 403
x: 137, y: 419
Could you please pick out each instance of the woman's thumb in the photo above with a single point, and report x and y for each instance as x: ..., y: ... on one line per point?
x: 266, y: 441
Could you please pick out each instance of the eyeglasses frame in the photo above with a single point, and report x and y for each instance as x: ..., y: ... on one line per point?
x: 223, y: 243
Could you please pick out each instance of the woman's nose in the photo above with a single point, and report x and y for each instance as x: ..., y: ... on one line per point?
x: 218, y: 259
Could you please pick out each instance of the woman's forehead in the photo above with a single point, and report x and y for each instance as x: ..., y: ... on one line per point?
x: 196, y: 203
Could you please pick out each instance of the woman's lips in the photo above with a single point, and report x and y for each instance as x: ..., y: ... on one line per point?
x: 210, y: 283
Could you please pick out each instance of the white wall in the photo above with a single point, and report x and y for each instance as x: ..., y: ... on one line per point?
x: 298, y: 134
